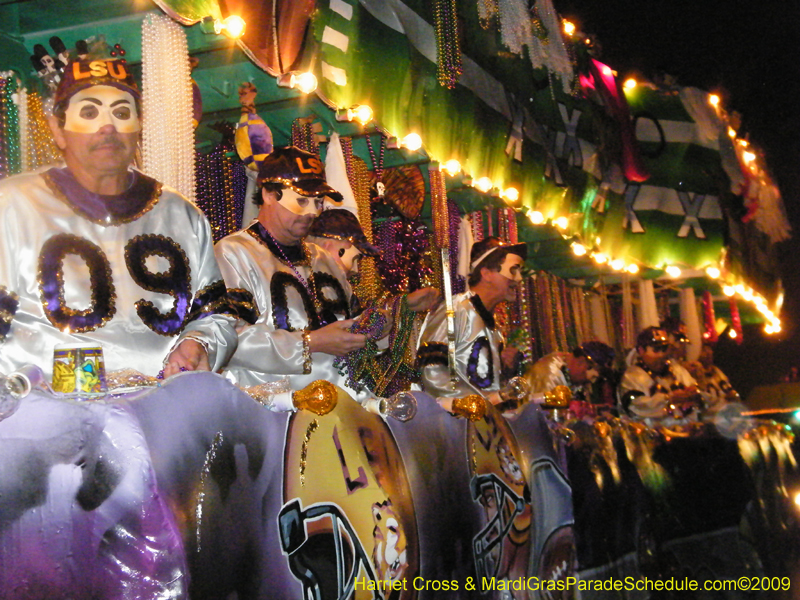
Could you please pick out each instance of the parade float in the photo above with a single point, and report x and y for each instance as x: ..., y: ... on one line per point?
x: 462, y: 119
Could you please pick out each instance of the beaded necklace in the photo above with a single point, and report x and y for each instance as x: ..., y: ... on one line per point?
x: 309, y: 284
x: 377, y: 165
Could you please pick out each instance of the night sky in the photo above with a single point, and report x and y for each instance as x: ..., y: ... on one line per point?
x: 749, y: 53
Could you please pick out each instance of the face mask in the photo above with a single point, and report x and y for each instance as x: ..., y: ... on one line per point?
x: 301, y: 205
x: 511, y: 267
x: 91, y: 109
x: 348, y: 256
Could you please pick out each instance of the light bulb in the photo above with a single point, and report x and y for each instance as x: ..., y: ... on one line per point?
x: 306, y: 82
x: 363, y: 113
x: 561, y: 222
x: 673, y: 271
x: 600, y: 258
x: 713, y: 272
x: 630, y: 83
x: 412, y: 142
x: 401, y: 406
x: 484, y: 184
x: 511, y: 194
x: 632, y: 268
x: 569, y: 27
x: 232, y: 26
x: 453, y: 167
x: 728, y: 290
x: 618, y: 264
x: 536, y: 217
x: 713, y: 100
x: 578, y: 249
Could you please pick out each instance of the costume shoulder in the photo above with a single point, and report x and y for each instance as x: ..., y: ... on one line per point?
x: 28, y: 188
x: 682, y: 375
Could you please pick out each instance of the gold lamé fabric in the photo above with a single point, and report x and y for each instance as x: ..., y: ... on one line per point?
x: 31, y: 217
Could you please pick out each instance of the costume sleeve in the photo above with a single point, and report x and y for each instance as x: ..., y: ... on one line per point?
x: 9, y: 299
x: 634, y: 391
x: 211, y: 319
x: 545, y: 375
x: 262, y: 347
x: 432, y: 358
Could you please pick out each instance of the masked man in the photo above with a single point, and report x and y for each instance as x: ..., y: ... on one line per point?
x: 654, y: 387
x: 495, y: 274
x: 98, y: 252
x: 576, y: 370
x: 293, y: 296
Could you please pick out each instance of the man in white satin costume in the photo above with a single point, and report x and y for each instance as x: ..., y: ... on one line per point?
x: 495, y: 274
x: 97, y: 252
x: 656, y: 388
x: 293, y: 299
x: 576, y: 370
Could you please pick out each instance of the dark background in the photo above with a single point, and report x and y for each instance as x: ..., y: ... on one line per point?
x: 749, y: 53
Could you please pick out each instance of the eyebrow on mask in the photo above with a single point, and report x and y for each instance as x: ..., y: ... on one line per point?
x: 120, y: 101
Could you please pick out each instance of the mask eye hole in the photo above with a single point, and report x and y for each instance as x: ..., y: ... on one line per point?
x: 341, y: 252
x: 88, y: 112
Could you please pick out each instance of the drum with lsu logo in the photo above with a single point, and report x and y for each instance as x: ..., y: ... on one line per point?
x: 347, y: 525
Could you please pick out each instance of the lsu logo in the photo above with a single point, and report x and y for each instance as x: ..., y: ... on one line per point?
x: 309, y: 165
x: 99, y: 68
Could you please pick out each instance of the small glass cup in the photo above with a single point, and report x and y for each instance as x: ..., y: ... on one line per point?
x: 79, y: 370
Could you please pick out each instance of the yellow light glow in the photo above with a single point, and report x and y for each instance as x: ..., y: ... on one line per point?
x: 739, y: 289
x: 630, y: 83
x: 632, y: 269
x: 569, y: 27
x: 713, y: 272
x: 607, y: 71
x: 578, y: 249
x: 728, y: 290
x: 731, y: 132
x: 673, y: 271
x: 412, y: 142
x: 511, y: 194
x: 713, y: 100
x: 363, y: 113
x: 762, y: 308
x: 797, y: 499
x: 600, y: 258
x: 453, y: 167
x: 561, y: 222
x: 484, y: 184
x: 233, y: 27
x: 732, y: 333
x: 769, y: 330
x: 759, y: 300
x: 536, y: 217
x: 748, y: 294
x: 618, y: 264
x: 748, y: 157
x: 306, y: 82
x: 776, y: 327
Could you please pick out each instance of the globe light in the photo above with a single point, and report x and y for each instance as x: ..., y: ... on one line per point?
x: 561, y: 222
x: 484, y: 184
x: 363, y: 114
x: 618, y: 264
x: 630, y: 83
x: 713, y: 272
x: 600, y: 258
x: 632, y: 268
x: 511, y: 194
x: 412, y: 142
x: 536, y: 217
x: 673, y: 271
x: 305, y: 82
x: 453, y: 167
x: 578, y: 249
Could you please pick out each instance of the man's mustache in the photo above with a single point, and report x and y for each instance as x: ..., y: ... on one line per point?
x: 110, y: 141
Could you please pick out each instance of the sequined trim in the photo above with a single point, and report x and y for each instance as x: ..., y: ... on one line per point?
x: 175, y: 281
x: 213, y: 299
x: 484, y: 313
x: 154, y: 195
x: 9, y: 303
x: 253, y: 231
x: 431, y: 353
x: 330, y: 308
x: 51, y: 284
x: 280, y: 306
x: 474, y: 359
x: 244, y: 303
